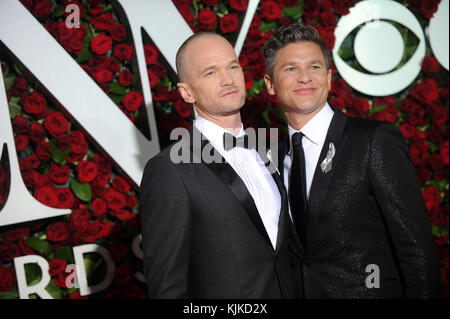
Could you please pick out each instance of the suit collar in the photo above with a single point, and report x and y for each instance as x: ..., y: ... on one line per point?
x: 336, y: 136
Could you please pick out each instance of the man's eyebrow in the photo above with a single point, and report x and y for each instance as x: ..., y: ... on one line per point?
x: 295, y: 63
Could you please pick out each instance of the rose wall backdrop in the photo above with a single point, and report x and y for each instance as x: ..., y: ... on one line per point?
x: 62, y: 168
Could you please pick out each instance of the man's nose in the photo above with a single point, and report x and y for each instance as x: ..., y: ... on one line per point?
x: 303, y: 76
x: 226, y: 79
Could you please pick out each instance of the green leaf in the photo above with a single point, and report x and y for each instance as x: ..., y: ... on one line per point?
x: 116, y: 88
x: 64, y: 253
x: 443, y: 230
x: 293, y: 12
x: 11, y: 294
x: 346, y: 53
x: 58, y: 11
x: 116, y: 98
x: 9, y: 80
x: 258, y: 86
x: 267, y: 26
x: 435, y: 230
x: 40, y: 245
x: 82, y: 191
x: 57, y: 155
x: 54, y: 290
x: 377, y: 108
x: 33, y: 273
x: 433, y: 147
x: 14, y: 107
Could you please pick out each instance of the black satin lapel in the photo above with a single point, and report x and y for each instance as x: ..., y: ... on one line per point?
x: 321, y: 180
x: 232, y: 180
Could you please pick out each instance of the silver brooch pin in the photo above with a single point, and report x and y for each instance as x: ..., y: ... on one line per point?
x: 269, y: 156
x: 326, y: 164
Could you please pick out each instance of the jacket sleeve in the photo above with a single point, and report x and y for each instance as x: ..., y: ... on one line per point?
x: 166, y: 230
x: 397, y: 192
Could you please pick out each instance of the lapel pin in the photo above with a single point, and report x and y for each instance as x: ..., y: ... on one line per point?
x: 327, y: 162
x: 269, y: 156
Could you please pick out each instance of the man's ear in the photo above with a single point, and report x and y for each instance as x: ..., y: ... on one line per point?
x: 185, y: 92
x: 269, y: 84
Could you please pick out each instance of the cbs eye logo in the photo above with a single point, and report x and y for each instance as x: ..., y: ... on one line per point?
x: 378, y: 45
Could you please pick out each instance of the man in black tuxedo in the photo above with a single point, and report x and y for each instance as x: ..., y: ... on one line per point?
x: 354, y: 198
x: 215, y: 228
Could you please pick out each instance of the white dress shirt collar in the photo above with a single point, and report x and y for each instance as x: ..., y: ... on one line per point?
x: 316, y: 128
x: 213, y: 132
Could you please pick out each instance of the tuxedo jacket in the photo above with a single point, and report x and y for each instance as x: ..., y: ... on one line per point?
x: 367, y: 210
x: 202, y: 234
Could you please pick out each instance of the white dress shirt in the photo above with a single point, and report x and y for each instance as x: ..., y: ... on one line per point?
x: 251, y: 169
x: 315, y: 132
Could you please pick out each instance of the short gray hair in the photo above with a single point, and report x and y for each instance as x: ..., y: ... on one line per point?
x: 292, y: 33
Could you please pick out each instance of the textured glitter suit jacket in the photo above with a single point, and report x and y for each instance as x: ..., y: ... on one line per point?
x: 367, y: 210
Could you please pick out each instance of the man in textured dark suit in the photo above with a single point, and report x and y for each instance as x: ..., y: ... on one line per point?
x: 215, y: 228
x: 354, y: 198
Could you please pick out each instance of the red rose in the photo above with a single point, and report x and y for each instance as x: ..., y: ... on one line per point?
x: 77, y: 142
x: 122, y: 51
x: 239, y: 5
x: 338, y: 102
x: 160, y: 93
x: 101, y: 44
x: 185, y: 11
x: 87, y: 171
x: 114, y: 199
x: 42, y: 8
x: 98, y: 207
x: 104, y: 228
x: 440, y: 116
x: 229, y: 23
x: 407, y: 130
x: 79, y: 219
x: 103, y: 165
x: 151, y: 54
x: 47, y: 196
x: 183, y: 109
x: 56, y: 124
x: 120, y: 184
x: 59, y: 174
x: 15, y: 234
x: 362, y: 105
x: 426, y: 91
x: 19, y: 86
x: 65, y: 198
x: 431, y: 196
x: 8, y: 252
x: 104, y: 76
x: 58, y: 232
x: 258, y: 70
x: 248, y: 79
x: 311, y: 9
x: 7, y: 278
x: 327, y: 19
x: 207, y: 18
x: 118, y: 32
x: 211, y: 3
x: 270, y: 10
x: 152, y: 78
x: 92, y: 232
x: 21, y: 142
x: 102, y: 22
x: 56, y: 266
x: 20, y: 124
x: 430, y: 64
x: 132, y: 101
x: 444, y: 153
x: 98, y: 62
x: 125, y: 78
x: 132, y: 200
x: 123, y: 275
x: 290, y: 3
x: 342, y: 7
x: 419, y: 152
x: 327, y: 36
x: 30, y: 162
x: 429, y: 7
x: 76, y: 295
x: 33, y: 103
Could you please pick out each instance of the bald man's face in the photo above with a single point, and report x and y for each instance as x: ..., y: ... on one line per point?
x: 214, y: 80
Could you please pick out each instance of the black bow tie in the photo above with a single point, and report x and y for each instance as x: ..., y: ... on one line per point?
x: 230, y: 142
